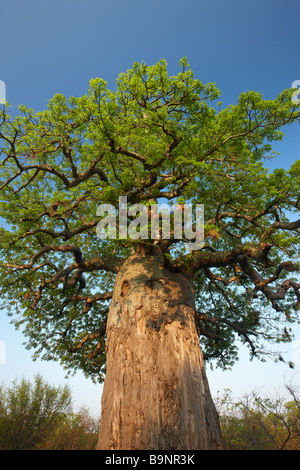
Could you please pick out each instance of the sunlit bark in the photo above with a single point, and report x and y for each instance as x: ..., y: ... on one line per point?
x: 156, y: 394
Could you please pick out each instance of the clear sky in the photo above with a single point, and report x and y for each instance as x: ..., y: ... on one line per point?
x: 51, y: 46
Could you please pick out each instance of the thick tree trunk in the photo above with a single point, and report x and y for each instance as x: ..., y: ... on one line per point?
x: 156, y: 394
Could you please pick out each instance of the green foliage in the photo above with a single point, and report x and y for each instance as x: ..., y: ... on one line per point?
x: 78, y: 431
x: 30, y: 411
x: 257, y: 422
x: 154, y: 138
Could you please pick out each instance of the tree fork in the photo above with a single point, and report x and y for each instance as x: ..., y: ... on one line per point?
x: 156, y: 395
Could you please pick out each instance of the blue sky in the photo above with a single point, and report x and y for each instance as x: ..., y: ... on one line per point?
x: 50, y: 47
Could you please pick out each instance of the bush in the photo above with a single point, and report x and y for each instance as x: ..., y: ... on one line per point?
x: 39, y: 416
x: 77, y: 432
x: 260, y: 423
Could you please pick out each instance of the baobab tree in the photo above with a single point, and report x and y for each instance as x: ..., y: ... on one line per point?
x: 136, y: 309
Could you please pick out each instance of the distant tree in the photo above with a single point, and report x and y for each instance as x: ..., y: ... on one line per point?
x: 31, y: 411
x: 257, y: 422
x: 77, y: 431
x: 132, y: 309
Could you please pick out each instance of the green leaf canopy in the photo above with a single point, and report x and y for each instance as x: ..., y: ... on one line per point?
x: 154, y: 138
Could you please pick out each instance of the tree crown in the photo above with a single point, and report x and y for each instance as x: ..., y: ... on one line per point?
x: 154, y: 138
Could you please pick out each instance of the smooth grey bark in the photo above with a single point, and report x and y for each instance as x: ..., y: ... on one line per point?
x: 156, y: 395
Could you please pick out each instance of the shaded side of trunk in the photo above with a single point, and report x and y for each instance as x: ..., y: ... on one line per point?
x: 156, y: 394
